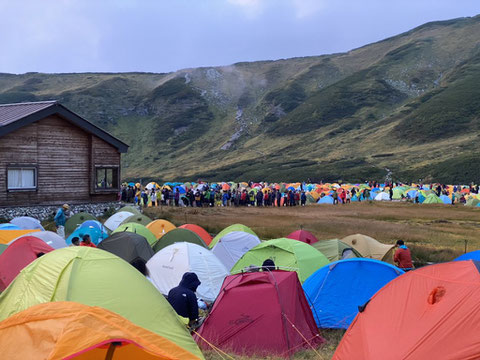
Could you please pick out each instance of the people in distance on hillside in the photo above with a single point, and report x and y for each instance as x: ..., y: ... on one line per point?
x: 402, y: 256
x: 153, y: 197
x: 259, y: 197
x: 279, y: 198
x: 390, y: 192
x: 348, y: 197
x: 183, y: 299
x: 87, y: 241
x: 303, y: 198
x: 343, y: 197
x: 145, y: 198
x: 60, y: 219
x: 335, y: 197
x: 198, y: 199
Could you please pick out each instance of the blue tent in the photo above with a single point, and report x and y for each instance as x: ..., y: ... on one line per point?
x: 336, y: 290
x: 97, y: 225
x: 472, y: 255
x: 326, y: 200
x: 446, y: 199
x: 95, y: 235
x: 421, y: 198
x: 8, y: 226
x: 412, y: 194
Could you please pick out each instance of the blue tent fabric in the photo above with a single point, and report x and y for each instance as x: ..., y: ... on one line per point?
x: 325, y: 200
x: 472, y: 255
x: 96, y: 225
x: 412, y: 194
x: 8, y: 226
x: 336, y: 290
x: 446, y: 199
x: 95, y: 235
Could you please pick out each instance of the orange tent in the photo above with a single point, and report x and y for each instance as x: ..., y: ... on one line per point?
x: 68, y: 330
x: 429, y: 313
x: 8, y: 235
x: 160, y: 227
x: 204, y: 235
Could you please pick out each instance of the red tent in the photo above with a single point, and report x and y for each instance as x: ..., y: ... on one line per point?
x: 19, y: 254
x: 262, y: 314
x: 304, y: 236
x: 430, y: 313
x: 204, y: 235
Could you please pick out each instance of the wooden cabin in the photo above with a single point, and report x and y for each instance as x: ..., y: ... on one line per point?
x: 50, y: 155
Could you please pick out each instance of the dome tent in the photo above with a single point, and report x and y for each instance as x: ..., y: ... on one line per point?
x: 27, y: 222
x: 76, y: 220
x: 260, y: 314
x: 69, y: 330
x: 229, y: 229
x: 370, y: 248
x: 335, y: 249
x: 49, y: 237
x: 137, y: 229
x: 101, y: 279
x: 128, y: 246
x: 199, y: 231
x: 303, y: 236
x: 116, y: 219
x: 337, y: 290
x: 287, y: 254
x: 233, y: 245
x: 176, y: 236
x: 160, y: 227
x: 429, y: 313
x: 167, y: 267
x: 137, y: 218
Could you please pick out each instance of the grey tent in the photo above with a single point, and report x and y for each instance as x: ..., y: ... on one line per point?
x: 128, y: 246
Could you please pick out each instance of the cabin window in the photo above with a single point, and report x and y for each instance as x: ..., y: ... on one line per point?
x: 21, y: 178
x: 106, y: 178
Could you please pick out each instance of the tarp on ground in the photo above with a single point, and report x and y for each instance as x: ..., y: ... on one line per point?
x: 337, y: 290
x: 429, y: 313
x: 260, y: 314
x: 287, y: 254
x: 233, y: 245
x: 370, y: 248
x: 68, y: 330
x: 167, y: 267
x: 96, y: 278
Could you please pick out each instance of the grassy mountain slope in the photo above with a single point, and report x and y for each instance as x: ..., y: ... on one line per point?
x: 409, y: 103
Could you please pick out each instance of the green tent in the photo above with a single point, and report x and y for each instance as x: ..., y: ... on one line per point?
x: 137, y: 218
x: 334, y: 249
x: 76, y: 220
x: 229, y: 229
x: 2, y: 248
x: 432, y: 199
x: 398, y: 193
x: 131, y: 209
x: 96, y: 278
x: 471, y: 201
x: 287, y: 254
x: 178, y: 235
x: 138, y: 229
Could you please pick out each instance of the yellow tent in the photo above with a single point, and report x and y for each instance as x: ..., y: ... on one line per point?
x: 8, y: 235
x: 370, y: 248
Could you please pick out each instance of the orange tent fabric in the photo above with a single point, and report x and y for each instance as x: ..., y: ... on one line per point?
x: 68, y: 330
x: 160, y: 227
x: 429, y: 313
x: 8, y: 235
x: 204, y: 235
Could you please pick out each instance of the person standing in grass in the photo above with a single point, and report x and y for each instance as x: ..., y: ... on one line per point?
x: 403, y: 257
x: 60, y: 220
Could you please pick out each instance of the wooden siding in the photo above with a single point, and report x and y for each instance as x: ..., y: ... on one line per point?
x: 64, y: 155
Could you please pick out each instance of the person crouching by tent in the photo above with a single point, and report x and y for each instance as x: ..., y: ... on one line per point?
x: 402, y: 257
x: 183, y: 299
x: 60, y: 219
x: 86, y: 241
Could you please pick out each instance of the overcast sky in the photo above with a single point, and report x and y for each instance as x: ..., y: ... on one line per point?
x: 167, y: 35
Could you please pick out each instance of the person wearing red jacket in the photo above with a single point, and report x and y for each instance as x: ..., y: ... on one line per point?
x: 402, y: 257
x: 86, y: 241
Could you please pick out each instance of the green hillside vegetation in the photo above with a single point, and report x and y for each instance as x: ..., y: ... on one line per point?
x: 409, y: 103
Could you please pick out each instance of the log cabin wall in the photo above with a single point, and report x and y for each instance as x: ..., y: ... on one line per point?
x: 64, y: 156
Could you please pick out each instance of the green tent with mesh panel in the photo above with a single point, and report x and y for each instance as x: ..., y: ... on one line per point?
x: 178, y: 235
x: 335, y: 250
x: 229, y: 229
x: 138, y: 229
x: 287, y: 254
x: 75, y: 220
x: 96, y: 278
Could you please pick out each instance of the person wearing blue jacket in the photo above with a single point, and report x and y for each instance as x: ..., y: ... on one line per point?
x: 183, y: 298
x: 60, y: 220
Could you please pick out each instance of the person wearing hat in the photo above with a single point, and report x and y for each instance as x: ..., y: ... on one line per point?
x: 60, y: 219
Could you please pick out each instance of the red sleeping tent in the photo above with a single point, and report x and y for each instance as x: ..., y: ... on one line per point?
x: 304, y: 236
x: 261, y: 314
x: 19, y: 254
x: 204, y: 235
x: 429, y: 313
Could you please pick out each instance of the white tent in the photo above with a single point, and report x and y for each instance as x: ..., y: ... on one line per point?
x: 49, y: 237
x: 27, y: 223
x: 167, y: 267
x: 116, y: 219
x: 383, y: 196
x: 233, y: 245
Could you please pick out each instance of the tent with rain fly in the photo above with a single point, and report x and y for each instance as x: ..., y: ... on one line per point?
x: 69, y: 330
x: 139, y: 219
x: 96, y: 278
x: 128, y: 246
x: 49, y: 237
x: 27, y: 222
x: 76, y: 220
x: 167, y: 267
x: 429, y: 313
x: 335, y: 250
x: 229, y: 229
x: 231, y: 247
x: 160, y: 227
x: 178, y: 235
x: 18, y: 255
x: 260, y: 314
x: 116, y: 219
x: 137, y: 229
x: 303, y: 236
x: 287, y: 254
x: 337, y: 290
x: 370, y: 248
x: 199, y: 231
